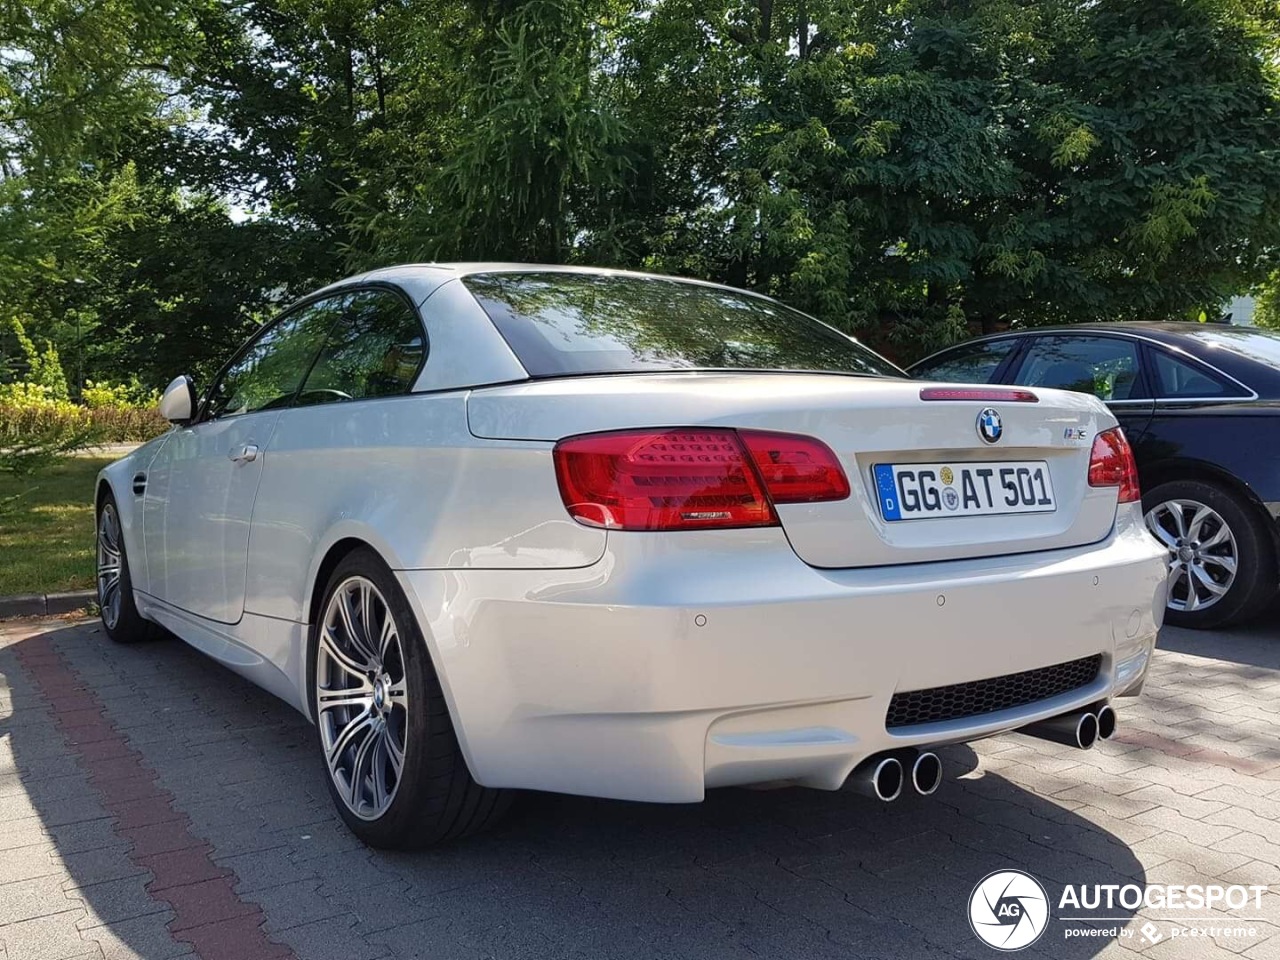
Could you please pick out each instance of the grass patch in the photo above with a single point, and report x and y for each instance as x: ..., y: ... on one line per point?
x: 47, y: 535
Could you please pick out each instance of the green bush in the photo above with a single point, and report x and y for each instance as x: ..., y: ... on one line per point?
x: 31, y: 414
x: 94, y: 424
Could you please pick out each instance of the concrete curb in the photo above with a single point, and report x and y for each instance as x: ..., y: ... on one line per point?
x: 44, y: 604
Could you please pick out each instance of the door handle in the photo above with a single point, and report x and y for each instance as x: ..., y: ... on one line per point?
x: 245, y: 454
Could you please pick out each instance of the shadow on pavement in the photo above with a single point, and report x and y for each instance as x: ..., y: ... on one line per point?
x: 1256, y: 643
x: 785, y: 873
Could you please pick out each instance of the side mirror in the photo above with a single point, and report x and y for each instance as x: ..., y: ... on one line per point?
x: 178, y: 402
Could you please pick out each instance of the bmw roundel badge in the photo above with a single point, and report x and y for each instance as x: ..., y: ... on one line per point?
x: 990, y: 428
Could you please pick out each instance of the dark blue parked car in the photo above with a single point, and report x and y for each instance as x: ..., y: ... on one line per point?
x: 1201, y: 406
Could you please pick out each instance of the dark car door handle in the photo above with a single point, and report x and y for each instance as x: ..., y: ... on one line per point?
x: 244, y: 454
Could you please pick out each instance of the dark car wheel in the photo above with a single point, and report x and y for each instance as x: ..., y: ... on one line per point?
x: 1222, y: 564
x: 120, y: 617
x: 395, y: 771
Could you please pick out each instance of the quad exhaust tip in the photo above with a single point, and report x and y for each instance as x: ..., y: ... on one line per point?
x: 1087, y: 731
x: 1079, y: 729
x: 1106, y: 722
x: 886, y: 778
x: 880, y: 777
x: 926, y: 773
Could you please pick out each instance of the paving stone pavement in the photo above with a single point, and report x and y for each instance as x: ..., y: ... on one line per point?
x: 154, y: 805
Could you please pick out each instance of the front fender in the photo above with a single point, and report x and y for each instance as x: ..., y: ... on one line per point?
x: 117, y: 478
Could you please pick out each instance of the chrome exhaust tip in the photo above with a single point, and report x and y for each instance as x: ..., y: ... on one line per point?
x: 1079, y: 729
x: 926, y: 773
x: 880, y: 777
x: 1106, y: 722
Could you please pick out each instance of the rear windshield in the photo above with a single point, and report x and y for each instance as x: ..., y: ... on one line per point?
x: 1260, y: 345
x: 561, y: 324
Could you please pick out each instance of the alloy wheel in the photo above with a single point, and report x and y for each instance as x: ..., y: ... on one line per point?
x: 362, y: 698
x: 1202, y: 552
x: 109, y: 565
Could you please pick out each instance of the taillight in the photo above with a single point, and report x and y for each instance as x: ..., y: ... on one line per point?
x: 985, y: 394
x: 796, y: 469
x: 692, y: 479
x: 1111, y: 464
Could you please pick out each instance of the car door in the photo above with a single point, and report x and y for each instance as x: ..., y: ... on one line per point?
x: 1108, y: 366
x: 199, y: 500
x: 343, y: 446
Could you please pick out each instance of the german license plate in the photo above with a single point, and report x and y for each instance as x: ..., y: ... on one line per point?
x: 915, y: 491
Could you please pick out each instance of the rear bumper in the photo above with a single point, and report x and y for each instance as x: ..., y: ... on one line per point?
x: 681, y: 662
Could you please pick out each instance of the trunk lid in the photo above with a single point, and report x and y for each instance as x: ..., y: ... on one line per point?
x: 869, y: 424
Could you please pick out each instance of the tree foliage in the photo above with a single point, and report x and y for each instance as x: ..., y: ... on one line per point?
x: 172, y: 172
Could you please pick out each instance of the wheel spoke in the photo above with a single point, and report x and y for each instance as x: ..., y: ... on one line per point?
x: 1193, y: 595
x: 1179, y: 519
x: 345, y: 618
x: 357, y: 627
x: 361, y: 699
x: 1201, y: 575
x: 1226, y: 563
x: 361, y: 725
x: 378, y: 769
x: 1220, y: 536
x: 110, y: 591
x: 1202, y: 514
x: 398, y: 695
x: 110, y: 530
x: 1165, y: 537
x: 395, y: 754
x: 388, y: 635
x: 366, y: 611
x: 330, y: 648
x: 363, y: 755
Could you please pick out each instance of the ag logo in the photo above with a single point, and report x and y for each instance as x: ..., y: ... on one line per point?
x: 1008, y: 910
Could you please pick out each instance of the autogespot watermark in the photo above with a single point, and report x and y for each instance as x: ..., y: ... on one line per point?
x: 1010, y: 910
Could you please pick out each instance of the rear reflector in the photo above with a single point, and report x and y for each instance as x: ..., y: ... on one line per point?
x: 984, y: 394
x: 1111, y: 464
x: 693, y: 478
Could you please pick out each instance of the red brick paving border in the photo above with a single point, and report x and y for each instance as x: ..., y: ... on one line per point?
x: 208, y: 914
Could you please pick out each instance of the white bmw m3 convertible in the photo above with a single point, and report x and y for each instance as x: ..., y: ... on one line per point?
x: 495, y: 526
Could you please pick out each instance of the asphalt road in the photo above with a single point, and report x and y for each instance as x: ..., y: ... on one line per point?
x: 154, y: 805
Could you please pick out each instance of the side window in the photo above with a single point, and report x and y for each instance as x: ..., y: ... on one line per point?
x: 1107, y: 367
x: 375, y: 351
x: 972, y: 363
x: 1180, y: 379
x: 269, y: 372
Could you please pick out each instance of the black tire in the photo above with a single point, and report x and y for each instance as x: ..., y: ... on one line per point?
x: 1255, y: 579
x: 122, y: 623
x: 434, y: 799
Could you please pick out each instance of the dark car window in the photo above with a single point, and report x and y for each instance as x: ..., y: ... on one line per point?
x: 1107, y: 367
x: 1260, y: 345
x: 1183, y: 380
x: 560, y: 324
x: 269, y: 371
x: 376, y: 350
x: 968, y: 363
